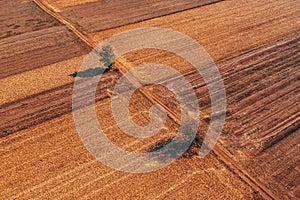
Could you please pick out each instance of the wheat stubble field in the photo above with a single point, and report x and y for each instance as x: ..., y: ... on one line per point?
x: 255, y: 45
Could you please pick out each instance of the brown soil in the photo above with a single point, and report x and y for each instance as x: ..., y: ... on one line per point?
x: 257, y: 156
x: 21, y: 17
x: 39, y: 48
x: 102, y: 15
x: 226, y: 28
x: 59, y: 5
x: 263, y: 111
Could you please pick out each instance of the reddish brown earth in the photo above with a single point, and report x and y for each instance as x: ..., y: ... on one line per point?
x: 17, y: 17
x: 263, y: 118
x: 32, y: 50
x: 263, y: 112
x: 257, y: 156
x: 30, y: 38
x: 102, y: 15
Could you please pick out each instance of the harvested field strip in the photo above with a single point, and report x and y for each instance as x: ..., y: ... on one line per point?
x: 36, y: 49
x: 22, y: 17
x: 60, y: 159
x: 108, y: 185
x: 102, y: 15
x: 162, y: 186
x: 262, y: 121
x: 281, y: 161
x: 259, y: 119
x: 235, y: 26
x: 188, y: 192
x: 285, y: 131
x: 35, y: 109
x: 38, y: 80
x: 244, y: 98
x: 290, y: 100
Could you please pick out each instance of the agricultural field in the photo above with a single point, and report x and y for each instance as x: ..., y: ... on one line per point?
x: 254, y: 44
x: 262, y: 114
x: 18, y: 17
x: 102, y: 15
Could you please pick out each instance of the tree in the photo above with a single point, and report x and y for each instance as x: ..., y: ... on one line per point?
x: 108, y: 57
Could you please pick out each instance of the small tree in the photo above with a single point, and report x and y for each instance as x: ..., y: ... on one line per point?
x: 108, y: 57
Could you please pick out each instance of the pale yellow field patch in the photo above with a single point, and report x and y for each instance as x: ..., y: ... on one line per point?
x: 38, y: 80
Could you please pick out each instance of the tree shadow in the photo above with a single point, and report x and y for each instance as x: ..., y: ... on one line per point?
x: 107, y: 57
x: 89, y: 72
x: 193, y: 150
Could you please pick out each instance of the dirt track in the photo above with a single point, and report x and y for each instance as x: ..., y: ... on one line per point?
x: 49, y: 157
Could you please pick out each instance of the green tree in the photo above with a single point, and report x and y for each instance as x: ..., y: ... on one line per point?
x: 108, y: 57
